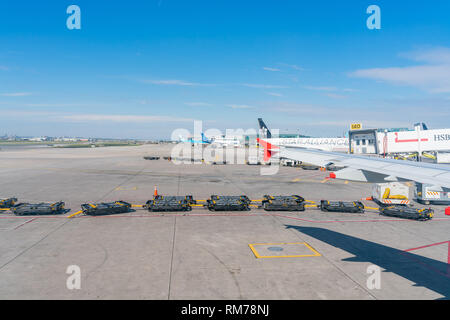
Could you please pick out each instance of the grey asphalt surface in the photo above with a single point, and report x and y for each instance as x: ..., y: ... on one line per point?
x: 202, y: 254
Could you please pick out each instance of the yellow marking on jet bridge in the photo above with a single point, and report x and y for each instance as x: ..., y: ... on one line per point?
x: 257, y: 255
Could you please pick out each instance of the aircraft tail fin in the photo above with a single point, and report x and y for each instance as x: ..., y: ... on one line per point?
x: 268, y: 149
x: 264, y: 131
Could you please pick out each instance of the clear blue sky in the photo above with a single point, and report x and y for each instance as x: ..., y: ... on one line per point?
x: 139, y: 69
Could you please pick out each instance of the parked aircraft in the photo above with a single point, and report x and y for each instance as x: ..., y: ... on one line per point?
x: 327, y: 144
x: 365, y: 168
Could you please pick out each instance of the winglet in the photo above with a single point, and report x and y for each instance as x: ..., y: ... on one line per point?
x: 268, y: 152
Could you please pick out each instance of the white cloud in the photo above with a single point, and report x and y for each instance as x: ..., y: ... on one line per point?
x: 271, y: 69
x: 240, y: 106
x: 198, y: 104
x: 292, y: 66
x: 336, y: 96
x: 121, y: 118
x: 440, y: 55
x: 434, y: 76
x: 16, y: 94
x: 320, y: 88
x: 85, y: 118
x: 275, y: 94
x: 173, y: 82
x: 263, y: 86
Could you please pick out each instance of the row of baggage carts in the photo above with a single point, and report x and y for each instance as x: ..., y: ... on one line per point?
x: 162, y: 203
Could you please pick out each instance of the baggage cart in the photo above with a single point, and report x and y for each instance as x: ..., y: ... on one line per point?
x: 342, y: 206
x: 105, y: 208
x: 42, y: 208
x: 283, y: 203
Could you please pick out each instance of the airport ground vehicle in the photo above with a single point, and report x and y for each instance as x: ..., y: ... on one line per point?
x: 407, y: 212
x: 443, y: 157
x: 342, y: 206
x: 104, y: 208
x: 288, y: 162
x: 427, y: 194
x: 8, y: 202
x: 228, y: 203
x: 392, y: 193
x: 309, y: 167
x: 283, y: 203
x: 38, y: 208
x: 170, y: 203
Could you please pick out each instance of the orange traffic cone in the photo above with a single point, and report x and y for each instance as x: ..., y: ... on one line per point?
x: 155, y: 194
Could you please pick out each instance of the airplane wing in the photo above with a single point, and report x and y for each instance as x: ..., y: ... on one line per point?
x: 366, y: 168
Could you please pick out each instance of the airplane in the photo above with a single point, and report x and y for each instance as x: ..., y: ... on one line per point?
x: 224, y: 141
x: 365, y: 168
x: 204, y: 140
x: 327, y: 144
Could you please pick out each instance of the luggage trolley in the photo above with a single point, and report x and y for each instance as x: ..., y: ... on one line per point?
x: 342, y: 206
x: 228, y: 203
x: 42, y: 208
x: 170, y: 203
x: 105, y: 208
x: 283, y: 203
x: 7, y: 203
x: 408, y: 213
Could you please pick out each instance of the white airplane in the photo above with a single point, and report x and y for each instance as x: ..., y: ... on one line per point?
x: 226, y: 141
x: 364, y: 168
x: 327, y: 144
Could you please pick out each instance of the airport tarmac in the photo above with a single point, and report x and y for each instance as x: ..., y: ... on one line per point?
x: 202, y: 254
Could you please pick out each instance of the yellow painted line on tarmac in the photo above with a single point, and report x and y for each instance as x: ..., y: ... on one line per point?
x: 296, y: 180
x: 325, y: 180
x: 346, y: 182
x: 371, y: 208
x: 200, y: 200
x: 258, y: 256
x: 137, y: 205
x: 310, y: 201
x: 74, y: 214
x: 196, y: 205
x: 311, y: 206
